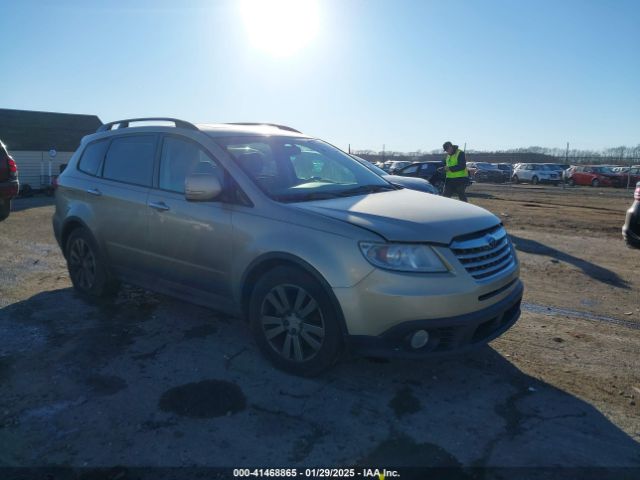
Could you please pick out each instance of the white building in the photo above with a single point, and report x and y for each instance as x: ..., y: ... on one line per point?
x: 42, y: 141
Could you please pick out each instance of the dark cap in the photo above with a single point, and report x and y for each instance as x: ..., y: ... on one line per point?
x: 446, y: 145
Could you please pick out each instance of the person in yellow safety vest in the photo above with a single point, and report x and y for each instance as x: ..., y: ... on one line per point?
x: 457, y: 175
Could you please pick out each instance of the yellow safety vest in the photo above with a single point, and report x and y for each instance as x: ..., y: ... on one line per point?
x: 452, y: 161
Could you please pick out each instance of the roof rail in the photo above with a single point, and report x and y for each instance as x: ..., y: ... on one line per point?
x: 281, y: 127
x: 125, y: 123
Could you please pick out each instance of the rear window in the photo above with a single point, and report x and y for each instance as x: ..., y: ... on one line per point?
x: 130, y: 159
x: 92, y: 157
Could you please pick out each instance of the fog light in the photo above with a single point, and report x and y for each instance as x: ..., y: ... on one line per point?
x: 419, y: 339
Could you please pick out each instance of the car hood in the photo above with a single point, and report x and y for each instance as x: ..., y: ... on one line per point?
x: 406, y: 215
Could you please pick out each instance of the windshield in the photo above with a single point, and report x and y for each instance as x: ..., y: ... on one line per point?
x: 375, y: 169
x: 291, y: 169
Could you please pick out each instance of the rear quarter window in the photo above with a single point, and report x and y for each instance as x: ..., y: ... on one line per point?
x: 92, y: 157
x: 130, y: 159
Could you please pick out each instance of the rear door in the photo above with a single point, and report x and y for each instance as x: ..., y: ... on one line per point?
x: 121, y: 200
x: 190, y: 241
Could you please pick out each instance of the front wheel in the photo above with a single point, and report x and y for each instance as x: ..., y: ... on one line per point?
x: 516, y: 179
x: 595, y: 182
x: 571, y: 182
x: 87, y: 268
x: 535, y: 180
x: 294, y: 322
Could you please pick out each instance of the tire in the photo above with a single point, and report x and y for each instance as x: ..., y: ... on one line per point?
x: 571, y: 182
x: 535, y: 180
x: 516, y: 179
x: 5, y: 208
x: 294, y: 322
x: 595, y: 182
x: 88, y: 270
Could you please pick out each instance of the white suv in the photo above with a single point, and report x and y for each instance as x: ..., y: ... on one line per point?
x: 536, y: 173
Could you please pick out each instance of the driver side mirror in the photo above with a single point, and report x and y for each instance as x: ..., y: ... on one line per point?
x: 201, y: 187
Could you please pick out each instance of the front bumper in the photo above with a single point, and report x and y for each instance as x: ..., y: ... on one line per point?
x: 446, y: 335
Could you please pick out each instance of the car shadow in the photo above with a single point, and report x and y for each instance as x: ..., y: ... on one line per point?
x: 160, y: 382
x: 594, y: 271
x: 34, y: 201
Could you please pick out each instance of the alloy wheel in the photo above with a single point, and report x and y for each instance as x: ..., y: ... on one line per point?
x: 82, y: 264
x: 292, y: 322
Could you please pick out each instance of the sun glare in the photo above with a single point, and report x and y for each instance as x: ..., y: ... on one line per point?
x: 280, y: 27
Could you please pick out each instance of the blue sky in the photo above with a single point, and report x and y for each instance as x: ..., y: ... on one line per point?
x: 494, y: 74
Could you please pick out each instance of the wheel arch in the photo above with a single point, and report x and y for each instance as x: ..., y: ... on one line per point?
x: 70, y: 224
x: 269, y: 261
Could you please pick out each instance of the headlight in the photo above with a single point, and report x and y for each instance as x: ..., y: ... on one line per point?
x: 402, y: 257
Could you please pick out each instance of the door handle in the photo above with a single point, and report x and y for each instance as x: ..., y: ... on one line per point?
x: 159, y: 206
x: 94, y: 191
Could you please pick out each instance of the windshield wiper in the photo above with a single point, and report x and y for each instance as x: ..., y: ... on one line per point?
x: 306, y: 197
x: 362, y: 189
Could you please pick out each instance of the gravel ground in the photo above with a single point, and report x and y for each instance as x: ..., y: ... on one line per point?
x: 145, y: 380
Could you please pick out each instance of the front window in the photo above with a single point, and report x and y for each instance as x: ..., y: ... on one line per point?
x: 181, y: 158
x: 300, y: 169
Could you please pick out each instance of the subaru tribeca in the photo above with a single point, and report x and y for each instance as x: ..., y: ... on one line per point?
x: 319, y: 254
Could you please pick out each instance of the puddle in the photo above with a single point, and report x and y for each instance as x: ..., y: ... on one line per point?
x: 206, y: 399
x: 553, y: 311
x: 404, y: 403
x: 401, y: 450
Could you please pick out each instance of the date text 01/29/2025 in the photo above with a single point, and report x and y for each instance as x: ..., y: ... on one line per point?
x: 271, y: 473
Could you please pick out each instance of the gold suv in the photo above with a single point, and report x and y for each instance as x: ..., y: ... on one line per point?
x: 316, y: 251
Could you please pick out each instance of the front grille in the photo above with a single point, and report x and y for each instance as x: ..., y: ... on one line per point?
x: 485, y: 254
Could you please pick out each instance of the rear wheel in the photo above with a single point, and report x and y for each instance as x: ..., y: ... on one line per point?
x: 294, y: 322
x: 87, y: 268
x: 516, y: 179
x: 535, y: 180
x: 595, y: 182
x: 5, y: 208
x: 571, y: 182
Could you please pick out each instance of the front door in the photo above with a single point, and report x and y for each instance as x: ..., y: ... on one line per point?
x: 190, y: 242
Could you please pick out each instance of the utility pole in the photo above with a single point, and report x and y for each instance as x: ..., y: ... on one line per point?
x: 349, y: 149
x: 383, y: 154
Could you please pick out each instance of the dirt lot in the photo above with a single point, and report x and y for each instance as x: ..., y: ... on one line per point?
x: 146, y: 380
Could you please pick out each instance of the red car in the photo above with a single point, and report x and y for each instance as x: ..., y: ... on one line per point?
x: 594, y: 175
x: 8, y: 181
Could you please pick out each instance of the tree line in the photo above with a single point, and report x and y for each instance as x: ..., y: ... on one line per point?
x: 534, y: 154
